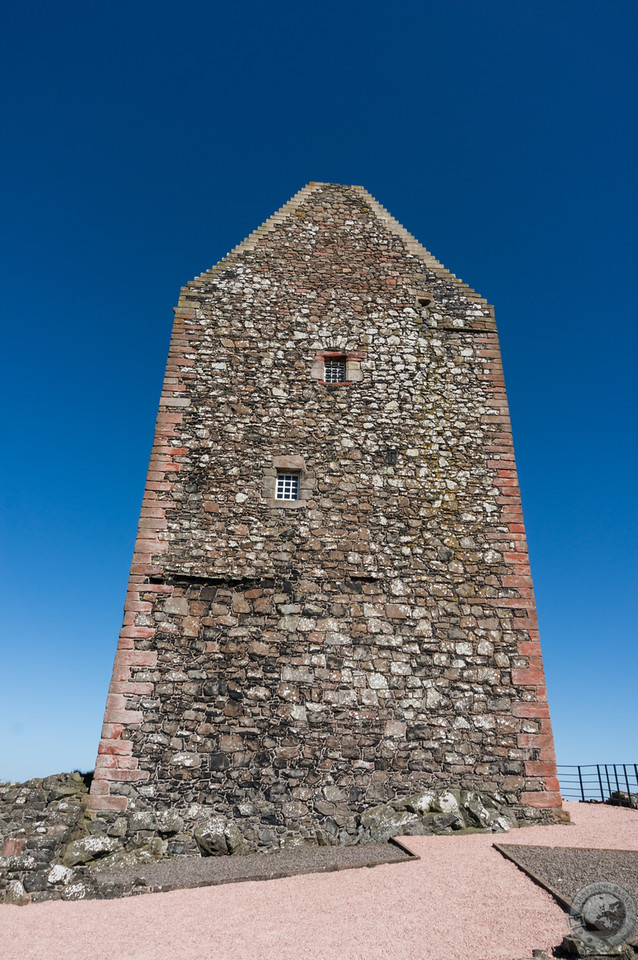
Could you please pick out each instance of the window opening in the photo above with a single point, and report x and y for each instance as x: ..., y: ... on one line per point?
x: 287, y: 486
x: 424, y: 300
x: 334, y: 370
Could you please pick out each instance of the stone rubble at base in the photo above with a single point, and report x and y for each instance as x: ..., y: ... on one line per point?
x: 53, y: 848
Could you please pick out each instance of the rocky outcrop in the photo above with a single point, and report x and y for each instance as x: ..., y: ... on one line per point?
x: 38, y: 819
x: 448, y: 811
x: 619, y: 798
x: 53, y: 849
x: 218, y: 837
x: 573, y: 946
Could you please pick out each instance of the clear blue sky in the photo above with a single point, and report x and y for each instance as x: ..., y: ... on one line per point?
x: 143, y: 140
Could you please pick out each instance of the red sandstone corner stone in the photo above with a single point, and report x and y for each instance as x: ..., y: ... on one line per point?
x: 531, y: 709
x: 529, y: 648
x: 528, y: 676
x: 112, y: 731
x: 13, y: 847
x: 123, y: 748
x: 517, y: 581
x: 551, y: 784
x: 130, y: 687
x: 539, y: 740
x: 151, y: 546
x: 123, y: 775
x: 540, y: 768
x: 126, y: 763
x: 545, y: 725
x: 127, y: 717
x: 156, y: 587
x: 138, y: 658
x: 542, y: 799
x: 137, y: 633
x: 104, y: 804
x: 100, y: 787
x: 139, y: 606
x: 121, y: 672
x: 104, y: 762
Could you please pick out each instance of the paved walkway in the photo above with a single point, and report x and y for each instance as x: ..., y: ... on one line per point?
x: 461, y: 901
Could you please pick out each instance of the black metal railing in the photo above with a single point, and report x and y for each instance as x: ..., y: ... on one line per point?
x: 615, y: 783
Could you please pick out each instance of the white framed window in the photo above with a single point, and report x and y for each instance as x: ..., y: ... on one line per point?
x: 334, y: 370
x: 287, y: 487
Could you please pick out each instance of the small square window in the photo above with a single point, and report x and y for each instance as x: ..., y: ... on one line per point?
x: 334, y: 370
x: 287, y: 486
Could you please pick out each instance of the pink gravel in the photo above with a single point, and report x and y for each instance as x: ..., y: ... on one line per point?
x: 461, y: 901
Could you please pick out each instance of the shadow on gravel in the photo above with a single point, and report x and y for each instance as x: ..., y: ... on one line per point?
x: 182, y: 872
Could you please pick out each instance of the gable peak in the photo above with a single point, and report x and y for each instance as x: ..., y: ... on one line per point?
x: 292, y: 207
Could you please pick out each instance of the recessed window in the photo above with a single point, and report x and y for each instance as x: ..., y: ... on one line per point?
x: 334, y: 370
x: 287, y: 483
x: 287, y: 486
x: 336, y: 366
x: 424, y: 300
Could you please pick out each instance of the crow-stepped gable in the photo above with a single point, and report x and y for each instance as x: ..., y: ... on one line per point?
x: 330, y: 604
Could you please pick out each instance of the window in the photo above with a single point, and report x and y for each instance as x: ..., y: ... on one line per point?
x: 424, y: 300
x: 338, y: 366
x: 287, y: 486
x: 334, y: 370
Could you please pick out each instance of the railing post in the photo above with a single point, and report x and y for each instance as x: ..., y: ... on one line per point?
x: 608, y: 783
x: 624, y: 766
x: 600, y: 781
x: 582, y: 791
x: 617, y: 785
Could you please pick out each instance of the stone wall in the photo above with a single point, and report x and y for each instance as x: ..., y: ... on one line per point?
x: 51, y: 848
x: 289, y: 665
x: 38, y: 819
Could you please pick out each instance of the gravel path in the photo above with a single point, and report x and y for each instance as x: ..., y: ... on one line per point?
x: 567, y: 869
x: 461, y: 901
x: 185, y: 872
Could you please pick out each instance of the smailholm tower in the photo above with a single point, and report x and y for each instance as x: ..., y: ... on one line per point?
x: 330, y: 603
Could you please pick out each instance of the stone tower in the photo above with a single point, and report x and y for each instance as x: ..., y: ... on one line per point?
x: 330, y: 603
